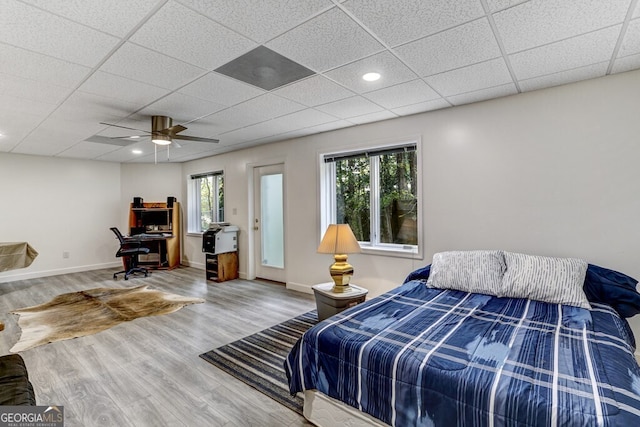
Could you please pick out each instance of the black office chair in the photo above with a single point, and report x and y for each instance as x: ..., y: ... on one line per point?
x: 129, y: 250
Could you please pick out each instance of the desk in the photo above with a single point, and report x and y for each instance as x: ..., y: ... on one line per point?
x: 16, y: 255
x: 161, y: 245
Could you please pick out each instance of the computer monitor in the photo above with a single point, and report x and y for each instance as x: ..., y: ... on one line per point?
x: 158, y: 217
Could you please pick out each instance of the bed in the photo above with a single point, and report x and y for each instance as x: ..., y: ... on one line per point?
x: 479, y: 338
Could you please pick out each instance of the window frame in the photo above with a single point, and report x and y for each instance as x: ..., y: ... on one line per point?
x: 328, y: 211
x: 194, y: 220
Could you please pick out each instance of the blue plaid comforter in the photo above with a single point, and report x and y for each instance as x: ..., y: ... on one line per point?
x: 429, y: 357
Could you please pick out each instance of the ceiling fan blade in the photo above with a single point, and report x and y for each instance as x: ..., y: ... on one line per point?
x: 173, y: 130
x: 123, y: 127
x: 195, y: 138
x: 130, y: 137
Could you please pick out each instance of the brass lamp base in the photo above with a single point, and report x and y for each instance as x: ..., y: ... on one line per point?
x: 341, y: 272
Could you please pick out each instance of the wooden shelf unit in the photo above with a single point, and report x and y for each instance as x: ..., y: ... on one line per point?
x: 221, y: 267
x: 167, y: 246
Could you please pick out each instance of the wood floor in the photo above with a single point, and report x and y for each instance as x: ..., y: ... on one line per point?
x: 147, y: 372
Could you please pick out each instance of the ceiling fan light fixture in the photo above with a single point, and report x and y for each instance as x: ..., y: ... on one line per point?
x: 161, y: 139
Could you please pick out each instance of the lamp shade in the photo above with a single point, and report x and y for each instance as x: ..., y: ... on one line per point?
x: 339, y: 239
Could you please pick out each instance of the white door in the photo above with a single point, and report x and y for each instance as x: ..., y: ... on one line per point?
x: 268, y: 223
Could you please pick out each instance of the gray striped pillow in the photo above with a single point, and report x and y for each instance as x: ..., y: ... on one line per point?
x: 469, y: 271
x: 553, y: 280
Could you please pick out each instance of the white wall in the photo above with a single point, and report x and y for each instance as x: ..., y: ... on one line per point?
x: 59, y: 205
x: 552, y: 172
x: 152, y: 182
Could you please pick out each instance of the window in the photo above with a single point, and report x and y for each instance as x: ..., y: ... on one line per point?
x: 376, y: 192
x: 206, y: 201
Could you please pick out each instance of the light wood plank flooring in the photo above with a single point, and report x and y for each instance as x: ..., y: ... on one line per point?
x: 147, y: 372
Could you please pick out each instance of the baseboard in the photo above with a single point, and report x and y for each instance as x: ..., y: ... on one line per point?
x: 46, y: 273
x: 299, y: 287
x: 200, y: 266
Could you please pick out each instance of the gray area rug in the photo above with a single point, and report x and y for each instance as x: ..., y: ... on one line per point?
x: 258, y: 360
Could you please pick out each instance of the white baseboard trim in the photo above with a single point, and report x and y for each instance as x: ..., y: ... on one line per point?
x: 299, y: 287
x: 57, y: 271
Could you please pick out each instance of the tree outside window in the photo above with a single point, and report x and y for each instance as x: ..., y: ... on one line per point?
x: 376, y: 194
x: 207, y: 201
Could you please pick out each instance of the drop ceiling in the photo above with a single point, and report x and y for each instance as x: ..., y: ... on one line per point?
x: 67, y: 65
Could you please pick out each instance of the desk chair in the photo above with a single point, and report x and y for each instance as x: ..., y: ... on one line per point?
x: 129, y: 250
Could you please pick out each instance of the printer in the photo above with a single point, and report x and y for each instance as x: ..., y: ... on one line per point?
x: 221, y: 237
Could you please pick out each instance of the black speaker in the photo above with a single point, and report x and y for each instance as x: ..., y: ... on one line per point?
x: 170, y: 201
x: 137, y: 202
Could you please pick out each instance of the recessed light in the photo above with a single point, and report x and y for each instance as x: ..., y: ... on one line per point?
x: 136, y: 151
x: 371, y: 77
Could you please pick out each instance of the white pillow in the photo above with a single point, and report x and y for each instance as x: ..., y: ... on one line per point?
x: 469, y: 271
x: 553, y: 280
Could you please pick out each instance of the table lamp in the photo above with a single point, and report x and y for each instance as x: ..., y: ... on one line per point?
x: 339, y: 241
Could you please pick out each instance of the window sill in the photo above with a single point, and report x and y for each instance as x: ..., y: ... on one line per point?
x: 413, y: 253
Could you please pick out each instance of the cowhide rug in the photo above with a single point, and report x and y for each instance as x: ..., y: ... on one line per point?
x: 78, y: 314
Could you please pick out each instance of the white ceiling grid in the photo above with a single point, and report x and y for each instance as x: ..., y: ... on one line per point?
x: 69, y: 65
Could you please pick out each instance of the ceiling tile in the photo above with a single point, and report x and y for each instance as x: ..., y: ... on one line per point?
x: 421, y: 107
x: 221, y: 122
x: 112, y: 86
x: 105, y: 15
x: 182, y: 108
x: 259, y: 20
x: 539, y: 22
x: 468, y: 79
x: 403, y: 94
x: 36, y: 30
x: 137, y: 63
x: 41, y: 68
x: 266, y: 107
x: 327, y: 41
x: 564, y: 77
x: 90, y: 150
x: 391, y: 70
x: 27, y: 106
x: 91, y: 109
x: 484, y: 94
x: 465, y: 45
x: 314, y: 91
x: 19, y: 87
x: 186, y: 35
x: 631, y: 41
x: 372, y: 117
x: 350, y: 107
x: 496, y: 5
x: 575, y: 52
x: 400, y: 21
x: 627, y: 63
x: 15, y: 125
x: 299, y: 120
x: 221, y: 89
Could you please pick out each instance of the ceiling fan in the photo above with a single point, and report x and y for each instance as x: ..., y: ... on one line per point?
x: 163, y: 132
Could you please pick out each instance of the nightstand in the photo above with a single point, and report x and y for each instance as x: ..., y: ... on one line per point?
x: 330, y: 303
